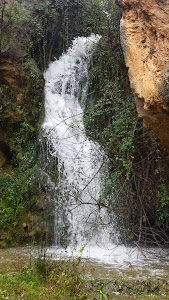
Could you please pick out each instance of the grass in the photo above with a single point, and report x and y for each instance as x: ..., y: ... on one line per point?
x: 45, y: 279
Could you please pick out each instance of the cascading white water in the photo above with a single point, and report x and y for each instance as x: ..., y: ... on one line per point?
x: 80, y: 161
x: 79, y: 222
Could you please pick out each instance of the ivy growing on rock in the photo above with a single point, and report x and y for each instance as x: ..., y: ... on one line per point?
x: 133, y: 189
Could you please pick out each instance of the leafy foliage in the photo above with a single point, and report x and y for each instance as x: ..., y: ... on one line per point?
x: 15, y: 194
x: 163, y: 196
x: 133, y: 152
x: 14, y: 24
x: 56, y: 23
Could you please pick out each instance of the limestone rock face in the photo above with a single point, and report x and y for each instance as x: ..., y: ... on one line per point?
x: 145, y: 43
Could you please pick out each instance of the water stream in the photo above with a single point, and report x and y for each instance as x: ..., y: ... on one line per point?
x: 81, y: 226
x: 80, y: 160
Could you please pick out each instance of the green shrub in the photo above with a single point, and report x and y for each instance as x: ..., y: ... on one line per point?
x: 111, y: 119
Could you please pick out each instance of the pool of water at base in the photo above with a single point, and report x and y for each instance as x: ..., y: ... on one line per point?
x: 134, y: 265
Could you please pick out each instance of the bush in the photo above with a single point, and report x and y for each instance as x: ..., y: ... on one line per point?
x: 131, y: 190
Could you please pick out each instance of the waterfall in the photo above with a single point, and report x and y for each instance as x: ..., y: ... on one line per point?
x: 80, y: 223
x: 78, y: 218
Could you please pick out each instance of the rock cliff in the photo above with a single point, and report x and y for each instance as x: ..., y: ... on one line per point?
x: 145, y: 43
x: 21, y: 108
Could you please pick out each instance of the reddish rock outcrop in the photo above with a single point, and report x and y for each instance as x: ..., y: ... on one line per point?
x: 145, y: 43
